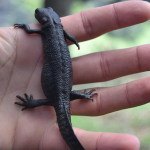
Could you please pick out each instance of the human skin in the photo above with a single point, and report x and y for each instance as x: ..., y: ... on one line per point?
x: 21, y: 61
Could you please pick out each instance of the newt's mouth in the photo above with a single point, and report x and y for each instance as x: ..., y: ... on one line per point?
x: 37, y: 14
x: 41, y: 16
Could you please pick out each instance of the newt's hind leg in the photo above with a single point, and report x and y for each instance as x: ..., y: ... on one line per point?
x: 82, y: 95
x: 28, y: 102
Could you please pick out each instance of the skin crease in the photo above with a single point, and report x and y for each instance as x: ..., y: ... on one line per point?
x: 21, y: 61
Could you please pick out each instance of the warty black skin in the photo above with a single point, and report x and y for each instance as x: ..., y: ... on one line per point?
x: 56, y: 77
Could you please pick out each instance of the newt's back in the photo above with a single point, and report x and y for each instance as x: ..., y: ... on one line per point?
x: 57, y: 70
x: 56, y: 75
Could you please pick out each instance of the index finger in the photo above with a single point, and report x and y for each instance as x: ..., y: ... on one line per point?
x: 91, y: 23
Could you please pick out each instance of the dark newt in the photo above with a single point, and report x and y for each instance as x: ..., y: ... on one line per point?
x: 57, y: 76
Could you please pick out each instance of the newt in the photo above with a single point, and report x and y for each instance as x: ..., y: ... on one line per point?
x: 57, y: 75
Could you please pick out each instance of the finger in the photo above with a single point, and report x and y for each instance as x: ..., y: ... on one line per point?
x: 91, y: 23
x: 114, y: 98
x: 107, y: 65
x: 90, y: 140
x: 107, y: 141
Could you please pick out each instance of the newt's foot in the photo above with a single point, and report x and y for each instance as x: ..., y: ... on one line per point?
x: 82, y: 95
x: 89, y: 95
x: 28, y: 102
x: 18, y: 25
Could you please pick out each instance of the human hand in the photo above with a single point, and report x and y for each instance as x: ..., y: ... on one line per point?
x: 21, y: 61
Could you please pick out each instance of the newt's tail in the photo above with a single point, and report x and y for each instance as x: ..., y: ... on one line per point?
x: 66, y: 130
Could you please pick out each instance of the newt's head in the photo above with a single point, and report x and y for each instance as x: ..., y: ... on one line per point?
x: 44, y: 15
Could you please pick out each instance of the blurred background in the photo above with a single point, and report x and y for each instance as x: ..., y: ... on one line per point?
x: 134, y: 121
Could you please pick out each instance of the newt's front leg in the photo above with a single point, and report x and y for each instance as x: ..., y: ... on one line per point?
x: 71, y: 38
x: 27, y: 28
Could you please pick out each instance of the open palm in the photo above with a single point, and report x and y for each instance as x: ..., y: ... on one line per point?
x: 21, y: 61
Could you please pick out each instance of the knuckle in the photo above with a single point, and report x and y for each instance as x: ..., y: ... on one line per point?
x: 104, y: 67
x: 86, y: 24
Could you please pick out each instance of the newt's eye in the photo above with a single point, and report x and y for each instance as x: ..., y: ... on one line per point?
x: 44, y: 19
